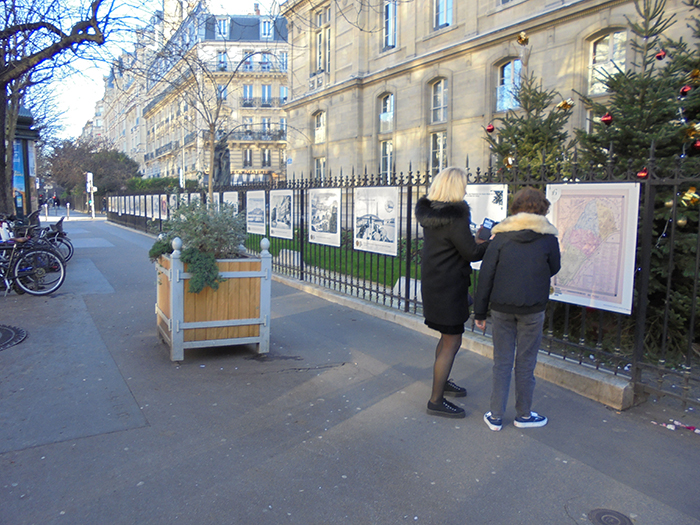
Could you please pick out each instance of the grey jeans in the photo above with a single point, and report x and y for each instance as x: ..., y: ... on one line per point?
x: 516, y: 337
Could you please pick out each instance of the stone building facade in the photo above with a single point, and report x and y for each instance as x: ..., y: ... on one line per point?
x: 195, y: 76
x: 387, y: 84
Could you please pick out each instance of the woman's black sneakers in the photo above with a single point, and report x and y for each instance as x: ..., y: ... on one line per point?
x: 445, y: 409
x: 451, y: 389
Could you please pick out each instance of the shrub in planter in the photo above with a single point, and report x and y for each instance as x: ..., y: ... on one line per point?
x: 207, y: 234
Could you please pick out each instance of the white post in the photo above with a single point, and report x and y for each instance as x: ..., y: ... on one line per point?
x: 265, y: 296
x: 46, y: 210
x: 67, y: 210
x: 177, y: 303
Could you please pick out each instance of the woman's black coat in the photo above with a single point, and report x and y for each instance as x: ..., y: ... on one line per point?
x: 448, y: 249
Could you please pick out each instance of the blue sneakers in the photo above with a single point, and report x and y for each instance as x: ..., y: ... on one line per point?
x: 533, y: 421
x: 494, y: 423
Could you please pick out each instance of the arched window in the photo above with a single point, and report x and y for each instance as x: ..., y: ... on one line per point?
x: 607, y: 58
x: 386, y: 113
x: 508, y: 85
x: 438, y: 106
x: 320, y: 127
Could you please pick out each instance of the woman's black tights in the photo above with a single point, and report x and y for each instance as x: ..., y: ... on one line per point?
x: 445, y: 353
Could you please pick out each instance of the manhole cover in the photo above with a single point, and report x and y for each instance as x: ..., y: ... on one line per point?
x: 608, y: 517
x: 10, y: 335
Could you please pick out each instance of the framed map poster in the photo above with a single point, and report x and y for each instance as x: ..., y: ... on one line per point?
x: 281, y: 206
x: 324, y: 216
x: 597, y: 226
x: 255, y: 212
x: 375, y: 220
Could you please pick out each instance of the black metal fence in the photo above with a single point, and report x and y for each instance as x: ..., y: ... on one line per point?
x: 657, y: 345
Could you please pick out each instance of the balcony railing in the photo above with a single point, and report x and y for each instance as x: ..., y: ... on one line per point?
x: 253, y: 136
x: 259, y: 102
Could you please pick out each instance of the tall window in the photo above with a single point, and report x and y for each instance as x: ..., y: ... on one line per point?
x: 320, y: 168
x: 265, y: 124
x: 266, y: 98
x: 320, y: 127
x: 508, y: 85
x: 443, y: 13
x: 387, y: 165
x: 221, y: 60
x: 283, y: 124
x: 221, y: 92
x: 222, y: 28
x: 247, y: 123
x: 248, y: 95
x: 439, y: 101
x: 266, y: 157
x: 265, y: 63
x: 386, y: 116
x: 247, y: 158
x: 248, y: 60
x: 283, y: 94
x: 266, y: 29
x: 322, y: 48
x: 607, y: 57
x: 282, y: 58
x: 389, y: 24
x: 438, y: 152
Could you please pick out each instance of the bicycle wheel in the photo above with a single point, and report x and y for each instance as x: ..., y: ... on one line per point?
x: 64, y: 247
x: 39, y: 272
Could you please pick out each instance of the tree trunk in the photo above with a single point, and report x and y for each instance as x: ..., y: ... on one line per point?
x: 212, y: 152
x: 6, y: 199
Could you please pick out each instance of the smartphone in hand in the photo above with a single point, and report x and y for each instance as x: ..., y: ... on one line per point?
x: 485, y: 230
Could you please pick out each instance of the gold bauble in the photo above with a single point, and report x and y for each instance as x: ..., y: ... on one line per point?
x: 668, y: 204
x: 682, y: 221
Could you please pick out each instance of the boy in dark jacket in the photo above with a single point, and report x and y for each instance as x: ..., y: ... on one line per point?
x: 515, y: 279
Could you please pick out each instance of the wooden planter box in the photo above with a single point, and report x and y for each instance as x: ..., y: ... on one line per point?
x: 237, y: 313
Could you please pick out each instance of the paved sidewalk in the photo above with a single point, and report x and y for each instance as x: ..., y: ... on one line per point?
x: 98, y: 426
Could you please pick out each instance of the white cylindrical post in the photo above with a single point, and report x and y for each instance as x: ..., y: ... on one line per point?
x: 177, y: 303
x: 265, y: 296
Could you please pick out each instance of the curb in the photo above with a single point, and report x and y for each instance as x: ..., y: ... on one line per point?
x: 599, y: 385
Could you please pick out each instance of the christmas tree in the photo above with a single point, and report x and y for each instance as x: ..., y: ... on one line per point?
x: 651, y: 112
x: 532, y: 135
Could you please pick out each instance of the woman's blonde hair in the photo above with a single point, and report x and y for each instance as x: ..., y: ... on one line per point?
x: 450, y: 185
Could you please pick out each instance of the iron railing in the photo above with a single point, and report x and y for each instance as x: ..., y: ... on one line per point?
x: 657, y: 346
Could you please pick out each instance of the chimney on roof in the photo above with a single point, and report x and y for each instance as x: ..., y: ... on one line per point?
x: 257, y: 9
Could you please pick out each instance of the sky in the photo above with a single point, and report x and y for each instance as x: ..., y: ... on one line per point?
x: 77, y: 95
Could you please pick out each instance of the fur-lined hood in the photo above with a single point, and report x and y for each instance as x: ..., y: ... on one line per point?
x: 526, y: 221
x: 435, y: 214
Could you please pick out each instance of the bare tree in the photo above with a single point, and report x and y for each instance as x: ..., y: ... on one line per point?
x: 188, y: 70
x: 37, y: 38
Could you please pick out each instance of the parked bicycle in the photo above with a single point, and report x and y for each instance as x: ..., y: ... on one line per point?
x: 51, y: 237
x: 25, y: 267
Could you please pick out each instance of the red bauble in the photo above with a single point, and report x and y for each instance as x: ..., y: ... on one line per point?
x: 685, y: 90
x: 490, y: 128
x: 643, y: 173
x: 696, y: 145
x: 606, y: 119
x: 661, y: 55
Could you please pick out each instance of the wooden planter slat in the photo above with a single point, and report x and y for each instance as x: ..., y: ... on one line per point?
x: 238, y: 312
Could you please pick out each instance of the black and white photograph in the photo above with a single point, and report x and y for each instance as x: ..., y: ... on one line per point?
x: 324, y: 216
x: 375, y: 220
x: 281, y: 214
x: 231, y: 197
x: 255, y: 212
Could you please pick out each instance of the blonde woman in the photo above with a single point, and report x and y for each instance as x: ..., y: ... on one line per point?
x: 448, y: 250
